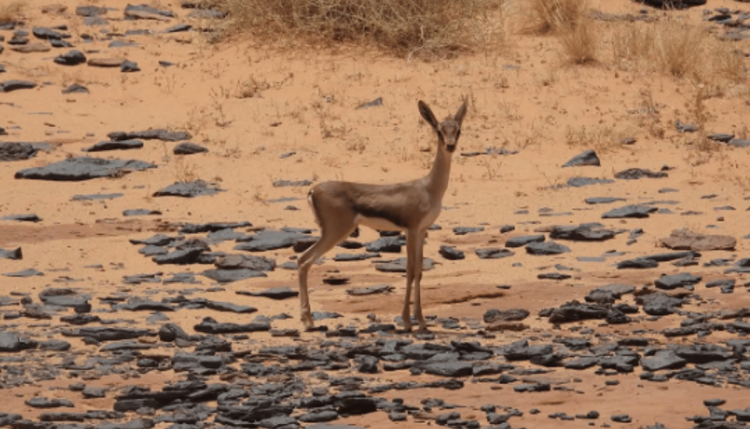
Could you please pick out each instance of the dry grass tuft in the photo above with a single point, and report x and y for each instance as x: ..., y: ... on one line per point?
x: 678, y: 48
x: 579, y: 42
x: 550, y: 16
x: 424, y: 28
x: 12, y: 12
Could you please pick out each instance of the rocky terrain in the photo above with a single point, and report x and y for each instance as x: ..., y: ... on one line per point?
x: 589, y: 267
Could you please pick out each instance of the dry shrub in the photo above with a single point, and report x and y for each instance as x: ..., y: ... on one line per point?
x: 579, y: 42
x: 549, y: 16
x: 400, y: 26
x: 12, y: 11
x: 679, y: 47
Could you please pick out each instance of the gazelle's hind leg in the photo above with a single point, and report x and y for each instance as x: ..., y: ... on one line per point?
x: 332, y: 233
x: 411, y: 241
x: 417, y: 266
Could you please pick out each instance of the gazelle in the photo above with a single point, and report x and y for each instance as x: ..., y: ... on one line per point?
x: 339, y: 207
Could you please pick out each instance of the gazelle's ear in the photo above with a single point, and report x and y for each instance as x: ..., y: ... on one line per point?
x: 428, y: 115
x: 459, y: 116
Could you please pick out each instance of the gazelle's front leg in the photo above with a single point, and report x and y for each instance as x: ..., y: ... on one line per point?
x: 411, y: 244
x: 417, y: 266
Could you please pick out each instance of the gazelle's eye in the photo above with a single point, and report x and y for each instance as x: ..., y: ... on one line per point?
x: 458, y: 134
x: 440, y: 135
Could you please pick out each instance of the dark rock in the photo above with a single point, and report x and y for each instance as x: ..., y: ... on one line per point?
x: 144, y: 304
x: 546, y: 248
x: 83, y: 168
x: 192, y: 189
x: 577, y: 182
x: 451, y: 253
x: 385, y: 245
x: 553, y: 276
x: 107, y: 333
x: 141, y: 212
x: 15, y: 151
x: 659, y: 304
x: 188, y: 148
x: 71, y: 58
x: 524, y: 240
x: 180, y: 257
x: 48, y: 34
x: 276, y: 293
x: 11, y: 254
x: 232, y: 275
x: 574, y: 311
x: 512, y: 315
x: 677, y: 280
x: 28, y: 217
x: 463, y: 230
x: 608, y: 294
x: 370, y: 290
x: 399, y: 265
x: 129, y: 67
x: 603, y: 200
x: 638, y: 263
x: 638, y: 173
x: 75, y: 89
x: 663, y: 359
x: 13, y: 85
x: 155, y: 134
x: 493, y: 253
x: 90, y: 10
x: 630, y: 211
x: 29, y: 272
x: 211, y: 326
x: 114, y: 145
x: 448, y: 369
x: 586, y: 158
x: 621, y: 418
x: 11, y: 342
x: 269, y: 240
x: 191, y: 228
x: 583, y: 232
x: 178, y: 28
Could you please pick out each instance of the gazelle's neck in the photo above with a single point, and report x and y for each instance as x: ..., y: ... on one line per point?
x: 437, y: 180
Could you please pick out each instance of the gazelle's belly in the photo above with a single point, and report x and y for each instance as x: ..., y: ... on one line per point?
x: 378, y: 223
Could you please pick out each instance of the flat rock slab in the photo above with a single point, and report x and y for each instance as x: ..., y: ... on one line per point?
x: 196, y: 188
x: 30, y: 272
x: 211, y: 326
x: 582, y: 232
x: 683, y: 239
x: 546, y: 248
x: 155, y: 134
x: 630, y: 211
x: 370, y: 290
x: 512, y: 315
x: 663, y: 359
x: 493, y: 253
x: 257, y: 263
x: 575, y: 311
x: 270, y: 240
x: 577, y: 182
x: 106, y: 62
x: 31, y: 48
x: 11, y: 342
x: 83, y: 168
x: 232, y: 275
x: 523, y: 240
x: 192, y: 228
x: 276, y: 293
x: 14, y: 85
x: 677, y: 280
x: 399, y: 265
x: 114, y: 145
x: 659, y: 303
x: 17, y: 151
x: 602, y: 200
x: 107, y: 333
x: 96, y: 197
x: 188, y: 148
x: 26, y: 217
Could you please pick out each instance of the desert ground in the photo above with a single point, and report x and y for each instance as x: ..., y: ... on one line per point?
x: 607, y: 293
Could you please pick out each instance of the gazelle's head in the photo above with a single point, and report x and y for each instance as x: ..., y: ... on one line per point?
x: 447, y: 131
